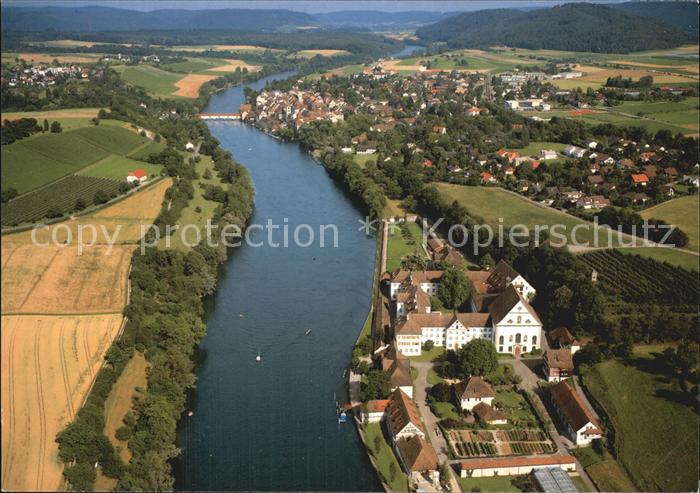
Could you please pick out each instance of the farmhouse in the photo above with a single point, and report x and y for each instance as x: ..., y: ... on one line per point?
x: 137, y: 176
x: 418, y: 458
x: 399, y: 368
x: 561, y: 338
x: 403, y: 418
x: 558, y: 364
x: 580, y: 424
x: 473, y: 391
x: 514, y: 466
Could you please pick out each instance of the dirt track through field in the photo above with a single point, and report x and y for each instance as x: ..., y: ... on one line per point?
x: 60, y: 313
x: 44, y: 359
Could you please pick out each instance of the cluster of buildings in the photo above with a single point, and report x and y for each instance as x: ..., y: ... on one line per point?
x: 42, y: 75
x: 500, y: 304
x: 276, y: 109
x: 527, y: 104
x: 408, y: 436
x: 622, y: 174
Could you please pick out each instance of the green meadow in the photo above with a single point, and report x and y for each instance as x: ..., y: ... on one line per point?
x: 681, y: 212
x: 154, y: 80
x: 495, y: 206
x: 656, y: 424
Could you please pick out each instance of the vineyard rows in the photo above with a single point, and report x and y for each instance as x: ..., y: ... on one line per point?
x: 60, y: 195
x: 637, y: 279
x: 474, y: 449
x: 526, y: 448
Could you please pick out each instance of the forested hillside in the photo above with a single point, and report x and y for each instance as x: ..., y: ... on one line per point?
x: 93, y: 19
x: 574, y: 27
x: 683, y: 15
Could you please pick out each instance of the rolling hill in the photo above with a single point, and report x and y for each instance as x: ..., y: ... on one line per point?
x: 683, y: 15
x: 383, y: 20
x: 571, y: 27
x: 93, y: 19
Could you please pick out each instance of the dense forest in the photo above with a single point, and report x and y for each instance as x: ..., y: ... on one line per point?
x: 574, y: 27
x: 96, y: 19
x: 683, y: 15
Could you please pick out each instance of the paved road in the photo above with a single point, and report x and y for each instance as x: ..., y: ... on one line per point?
x: 430, y: 421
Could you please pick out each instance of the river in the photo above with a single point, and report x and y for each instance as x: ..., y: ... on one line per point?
x: 271, y: 425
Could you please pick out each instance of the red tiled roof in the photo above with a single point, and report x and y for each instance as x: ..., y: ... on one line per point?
x: 402, y: 411
x: 517, y: 462
x: 571, y: 404
x: 378, y: 406
x: 418, y: 454
x: 640, y: 178
x: 138, y: 173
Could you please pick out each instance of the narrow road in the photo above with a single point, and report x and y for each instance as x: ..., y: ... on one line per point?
x: 430, y: 421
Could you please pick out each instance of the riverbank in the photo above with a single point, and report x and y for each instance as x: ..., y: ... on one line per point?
x: 266, y: 301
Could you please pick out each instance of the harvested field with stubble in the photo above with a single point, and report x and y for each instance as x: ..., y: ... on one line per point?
x: 232, y: 65
x: 62, y: 281
x: 60, y: 313
x: 188, y: 86
x: 48, y: 365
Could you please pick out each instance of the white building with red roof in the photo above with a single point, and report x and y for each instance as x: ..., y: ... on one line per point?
x: 137, y: 176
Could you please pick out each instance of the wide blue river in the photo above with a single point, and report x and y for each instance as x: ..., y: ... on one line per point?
x: 271, y: 425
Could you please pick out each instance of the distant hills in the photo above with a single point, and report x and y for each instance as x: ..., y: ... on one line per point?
x: 92, y: 19
x: 573, y: 27
x: 375, y: 19
x: 683, y: 15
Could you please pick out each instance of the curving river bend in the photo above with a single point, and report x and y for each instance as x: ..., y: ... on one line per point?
x: 271, y: 425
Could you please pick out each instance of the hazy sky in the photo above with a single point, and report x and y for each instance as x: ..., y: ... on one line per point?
x: 300, y: 5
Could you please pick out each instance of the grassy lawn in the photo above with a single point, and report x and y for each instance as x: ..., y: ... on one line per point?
x: 190, y: 214
x: 427, y: 356
x: 495, y: 484
x: 609, y: 476
x: 491, y: 204
x: 118, y: 167
x: 681, y: 212
x: 404, y: 241
x: 191, y: 65
x: 394, y: 208
x: 363, y: 159
x: 618, y: 116
x: 671, y: 255
x: 517, y: 409
x: 444, y: 410
x: 142, y: 153
x: 433, y: 378
x: 154, y: 80
x: 659, y: 446
x: 384, y: 457
x: 534, y: 148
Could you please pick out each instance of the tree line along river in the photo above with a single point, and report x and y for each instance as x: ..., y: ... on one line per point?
x: 271, y: 424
